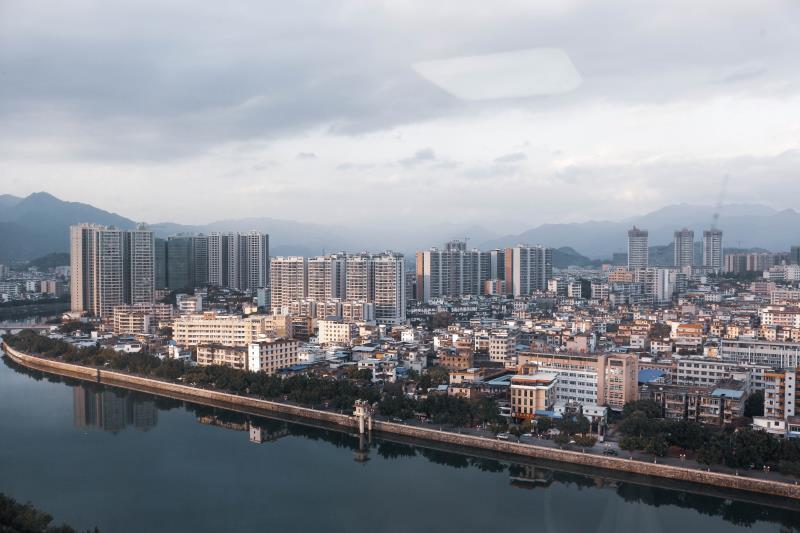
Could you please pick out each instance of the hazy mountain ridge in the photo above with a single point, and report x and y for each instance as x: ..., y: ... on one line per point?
x: 746, y: 226
x: 38, y: 225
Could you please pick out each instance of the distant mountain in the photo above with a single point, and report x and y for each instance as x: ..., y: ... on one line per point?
x: 46, y: 262
x: 566, y: 257
x: 744, y: 226
x: 39, y: 224
x: 7, y: 201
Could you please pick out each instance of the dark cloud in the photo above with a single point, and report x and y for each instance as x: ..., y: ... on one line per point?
x: 138, y: 80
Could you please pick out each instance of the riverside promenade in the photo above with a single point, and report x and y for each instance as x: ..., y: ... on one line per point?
x: 248, y: 404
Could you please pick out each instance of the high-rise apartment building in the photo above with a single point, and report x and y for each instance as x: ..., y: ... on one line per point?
x: 180, y: 262
x: 454, y: 271
x: 712, y: 250
x: 253, y: 261
x: 139, y: 266
x: 527, y: 269
x: 217, y: 247
x: 327, y: 277
x: 375, y: 279
x: 288, y: 280
x: 235, y: 260
x: 387, y: 274
x: 638, y: 254
x: 684, y: 248
x: 496, y: 264
x: 161, y: 263
x: 110, y: 267
x: 794, y: 255
x: 357, y: 277
x: 200, y: 260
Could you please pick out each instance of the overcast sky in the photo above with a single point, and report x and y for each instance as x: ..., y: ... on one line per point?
x: 194, y: 111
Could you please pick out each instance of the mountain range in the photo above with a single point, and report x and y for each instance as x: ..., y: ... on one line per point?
x: 39, y: 224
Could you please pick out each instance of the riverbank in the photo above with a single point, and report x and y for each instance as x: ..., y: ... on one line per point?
x: 236, y: 402
x: 12, y: 312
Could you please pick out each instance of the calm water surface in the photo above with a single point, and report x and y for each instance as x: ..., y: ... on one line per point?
x: 130, y: 462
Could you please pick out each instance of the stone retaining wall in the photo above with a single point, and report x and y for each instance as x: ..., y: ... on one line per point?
x: 773, y: 488
x: 119, y: 378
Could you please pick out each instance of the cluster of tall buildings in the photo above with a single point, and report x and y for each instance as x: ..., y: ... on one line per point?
x: 683, y: 249
x: 456, y: 271
x: 110, y: 267
x: 235, y: 260
x: 111, y: 410
x: 377, y: 278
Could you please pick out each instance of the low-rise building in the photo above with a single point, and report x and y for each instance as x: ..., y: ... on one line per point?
x: 271, y: 356
x: 334, y: 330
x: 532, y: 393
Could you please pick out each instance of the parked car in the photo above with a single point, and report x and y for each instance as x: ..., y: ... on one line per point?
x: 609, y: 451
x: 503, y: 436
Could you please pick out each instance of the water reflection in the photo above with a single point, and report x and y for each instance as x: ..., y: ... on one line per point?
x: 259, y: 432
x: 112, y: 410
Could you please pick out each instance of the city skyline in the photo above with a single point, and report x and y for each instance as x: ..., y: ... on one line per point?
x: 431, y: 243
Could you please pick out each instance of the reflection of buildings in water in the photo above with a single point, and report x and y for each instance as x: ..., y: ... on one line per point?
x: 362, y: 453
x: 530, y: 477
x: 110, y: 411
x: 145, y: 415
x: 258, y: 434
x: 213, y: 420
x: 261, y: 435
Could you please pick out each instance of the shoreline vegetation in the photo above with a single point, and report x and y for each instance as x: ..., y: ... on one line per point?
x: 329, y: 398
x: 17, y: 517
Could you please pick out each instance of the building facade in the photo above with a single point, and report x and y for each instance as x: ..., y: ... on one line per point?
x: 638, y: 251
x: 110, y: 267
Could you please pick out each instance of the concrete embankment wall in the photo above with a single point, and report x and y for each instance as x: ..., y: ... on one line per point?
x: 121, y: 379
x: 773, y: 488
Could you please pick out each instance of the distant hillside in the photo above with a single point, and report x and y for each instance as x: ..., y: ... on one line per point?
x: 566, y: 257
x: 39, y: 224
x: 743, y: 226
x: 7, y: 201
x: 49, y: 261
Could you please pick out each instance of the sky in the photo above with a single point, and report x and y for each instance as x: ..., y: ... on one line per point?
x: 506, y: 114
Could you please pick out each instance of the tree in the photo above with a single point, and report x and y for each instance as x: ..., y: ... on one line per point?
x: 543, y: 423
x: 17, y: 517
x: 754, y: 405
x: 650, y: 408
x: 637, y: 425
x: 585, y: 441
x: 441, y: 319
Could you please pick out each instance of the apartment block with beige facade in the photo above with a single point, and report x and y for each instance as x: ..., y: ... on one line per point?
x: 217, y: 354
x: 211, y: 328
x: 264, y: 356
x: 335, y: 331
x: 600, y: 379
x: 530, y: 393
x: 271, y: 356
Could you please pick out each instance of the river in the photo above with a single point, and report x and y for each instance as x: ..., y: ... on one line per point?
x: 130, y: 462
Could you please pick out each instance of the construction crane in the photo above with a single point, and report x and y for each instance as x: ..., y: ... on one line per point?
x: 715, y: 218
